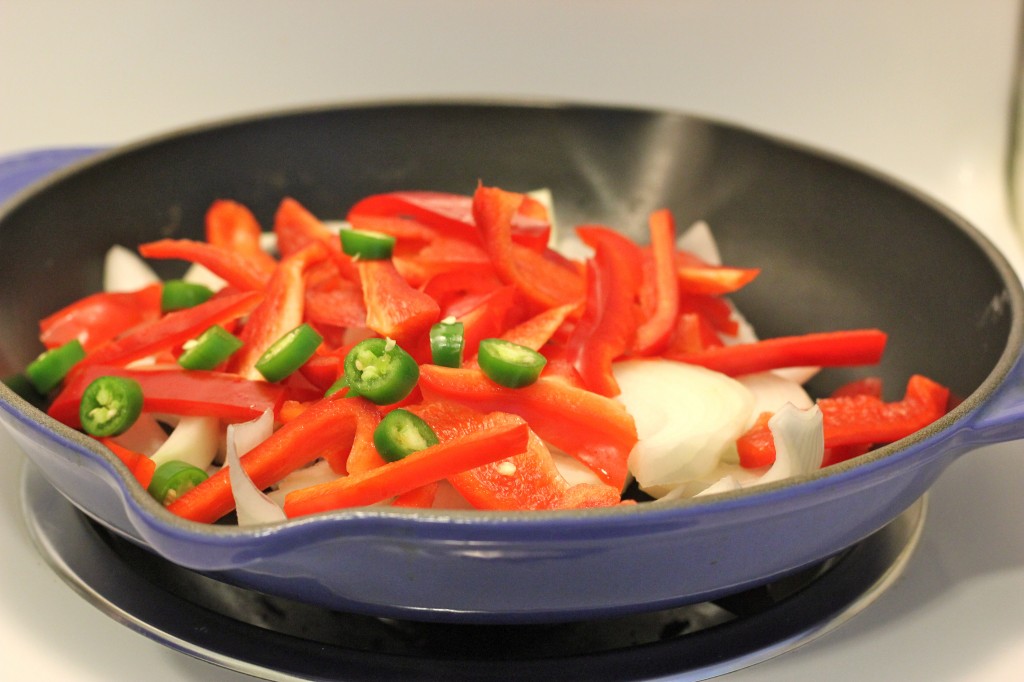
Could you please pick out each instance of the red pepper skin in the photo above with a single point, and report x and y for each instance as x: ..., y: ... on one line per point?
x: 393, y: 308
x: 756, y: 447
x: 535, y: 332
x: 541, y: 281
x: 340, y: 306
x: 98, y: 318
x: 451, y: 288
x: 487, y: 318
x: 296, y: 228
x: 608, y: 325
x: 324, y: 427
x: 235, y: 268
x: 231, y: 225
x: 418, y: 498
x: 281, y: 310
x: 855, y: 422
x: 141, y: 466
x: 866, y: 419
x: 172, y: 390
x: 408, y: 234
x: 443, y: 255
x: 716, y: 312
x: 653, y: 334
x: 693, y: 334
x: 451, y: 215
x: 527, y: 481
x: 596, y: 430
x: 824, y: 349
x: 412, y: 471
x: 867, y: 386
x: 173, y: 329
x: 696, y: 277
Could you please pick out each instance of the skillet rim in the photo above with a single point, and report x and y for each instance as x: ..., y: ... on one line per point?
x: 567, y: 520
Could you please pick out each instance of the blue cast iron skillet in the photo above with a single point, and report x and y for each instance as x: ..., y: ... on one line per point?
x: 839, y: 247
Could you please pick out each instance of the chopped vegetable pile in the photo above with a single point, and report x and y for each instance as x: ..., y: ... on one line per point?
x: 434, y: 350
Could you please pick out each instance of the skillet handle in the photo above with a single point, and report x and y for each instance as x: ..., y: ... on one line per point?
x: 1000, y: 417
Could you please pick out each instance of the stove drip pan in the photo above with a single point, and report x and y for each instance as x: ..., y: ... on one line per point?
x: 279, y: 639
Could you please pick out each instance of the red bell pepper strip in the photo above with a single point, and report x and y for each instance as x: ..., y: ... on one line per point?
x: 713, y: 280
x: 485, y: 316
x: 412, y: 471
x: 596, y: 430
x: 325, y: 427
x: 296, y: 228
x: 452, y: 215
x: 407, y: 233
x: 233, y: 267
x: 449, y: 288
x: 281, y: 310
x: 857, y: 420
x: 341, y: 306
x: 418, y: 498
x: 866, y: 386
x: 98, y: 318
x: 538, y: 330
x: 653, y: 333
x: 232, y: 226
x: 173, y: 329
x: 693, y: 334
x: 526, y: 481
x: 172, y: 390
x: 756, y: 447
x: 393, y: 308
x: 823, y: 349
x: 716, y: 311
x: 441, y: 256
x: 140, y: 466
x: 607, y: 328
x: 362, y: 455
x: 866, y: 419
x: 541, y: 281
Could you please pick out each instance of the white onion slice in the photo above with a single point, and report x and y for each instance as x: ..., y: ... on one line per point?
x: 252, y: 505
x: 194, y: 440
x: 799, y: 442
x: 685, y: 416
x: 199, y: 274
x: 124, y: 271
x: 771, y: 392
x: 314, y: 474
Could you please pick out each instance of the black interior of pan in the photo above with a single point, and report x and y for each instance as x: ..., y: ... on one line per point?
x: 837, y: 248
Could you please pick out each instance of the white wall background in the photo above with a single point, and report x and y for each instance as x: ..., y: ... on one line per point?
x: 917, y: 87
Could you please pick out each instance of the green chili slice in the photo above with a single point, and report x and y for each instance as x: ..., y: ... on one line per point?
x: 213, y: 347
x: 510, y: 364
x: 340, y: 385
x: 447, y: 341
x: 173, y: 479
x: 110, y: 404
x: 46, y: 371
x: 380, y: 371
x: 402, y: 433
x: 289, y: 352
x: 22, y: 386
x: 367, y: 245
x: 178, y: 294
